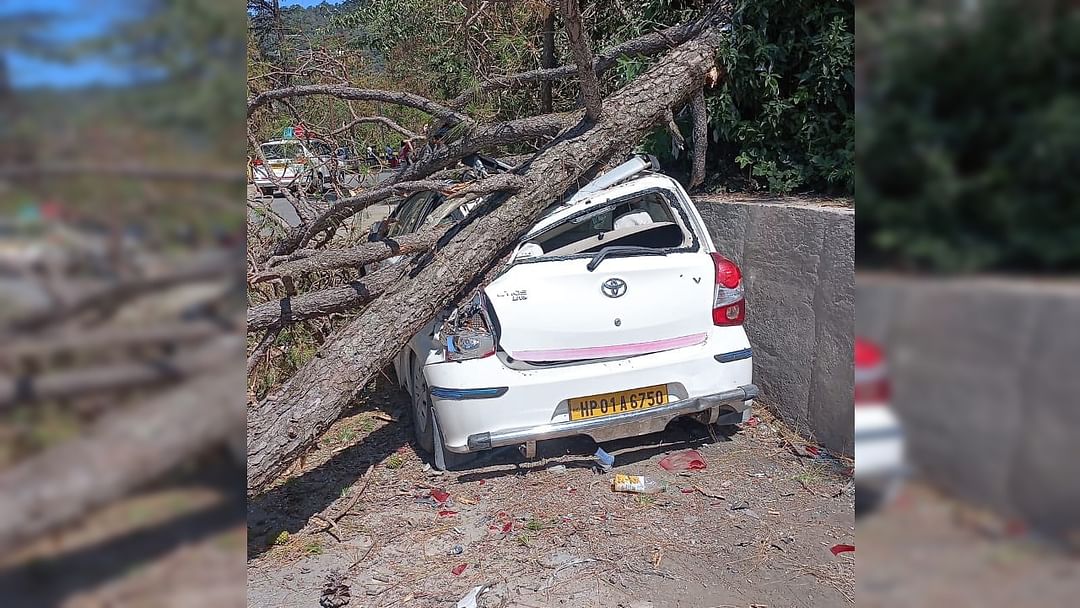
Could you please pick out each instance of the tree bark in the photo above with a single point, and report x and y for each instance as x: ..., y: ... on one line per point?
x: 124, y: 451
x: 547, y: 60
x: 581, y: 49
x: 288, y: 422
x: 701, y: 138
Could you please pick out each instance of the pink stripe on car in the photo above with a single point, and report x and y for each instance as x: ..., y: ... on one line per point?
x: 617, y: 350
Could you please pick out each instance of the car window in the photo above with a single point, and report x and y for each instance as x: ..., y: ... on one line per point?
x: 281, y: 151
x: 409, y: 213
x: 319, y: 148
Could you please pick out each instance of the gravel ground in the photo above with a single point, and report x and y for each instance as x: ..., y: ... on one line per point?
x: 754, y: 528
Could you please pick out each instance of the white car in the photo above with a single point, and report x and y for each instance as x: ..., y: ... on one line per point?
x: 616, y: 316
x: 296, y: 163
x: 879, y: 439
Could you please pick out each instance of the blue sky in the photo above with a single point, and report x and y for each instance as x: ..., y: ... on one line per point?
x: 74, y: 20
x: 77, y: 19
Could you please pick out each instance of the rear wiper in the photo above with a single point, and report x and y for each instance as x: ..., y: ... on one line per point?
x: 618, y: 250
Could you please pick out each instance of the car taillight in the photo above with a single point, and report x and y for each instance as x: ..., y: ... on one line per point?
x: 729, y: 308
x: 256, y: 162
x: 871, y: 377
x: 300, y: 160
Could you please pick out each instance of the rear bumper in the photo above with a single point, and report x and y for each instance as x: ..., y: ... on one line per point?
x: 630, y: 422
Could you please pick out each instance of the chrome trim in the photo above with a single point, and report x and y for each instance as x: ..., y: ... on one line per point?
x: 495, y: 439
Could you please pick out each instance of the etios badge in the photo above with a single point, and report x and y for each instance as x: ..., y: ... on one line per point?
x: 613, y: 288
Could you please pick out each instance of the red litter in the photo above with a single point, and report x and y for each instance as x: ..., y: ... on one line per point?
x: 439, y: 495
x: 446, y: 513
x: 688, y: 490
x: 458, y: 569
x: 753, y: 421
x: 690, y: 459
x: 838, y: 549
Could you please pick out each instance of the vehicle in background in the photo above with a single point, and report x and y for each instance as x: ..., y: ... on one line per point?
x: 615, y: 316
x: 296, y: 163
x: 879, y: 439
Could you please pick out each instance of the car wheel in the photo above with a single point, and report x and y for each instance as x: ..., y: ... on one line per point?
x: 423, y: 428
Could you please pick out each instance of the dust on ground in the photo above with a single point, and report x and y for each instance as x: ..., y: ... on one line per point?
x: 753, y: 528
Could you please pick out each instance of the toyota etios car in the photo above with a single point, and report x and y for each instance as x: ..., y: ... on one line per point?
x: 615, y: 316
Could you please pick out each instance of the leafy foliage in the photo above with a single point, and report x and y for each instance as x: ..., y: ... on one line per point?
x: 968, y: 139
x: 783, y: 119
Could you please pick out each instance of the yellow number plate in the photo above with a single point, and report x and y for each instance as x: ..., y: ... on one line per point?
x: 607, y: 404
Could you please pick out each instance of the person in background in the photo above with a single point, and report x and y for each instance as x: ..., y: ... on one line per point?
x: 406, y: 156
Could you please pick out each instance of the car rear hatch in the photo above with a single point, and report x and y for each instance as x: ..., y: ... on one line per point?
x: 622, y: 276
x: 560, y: 311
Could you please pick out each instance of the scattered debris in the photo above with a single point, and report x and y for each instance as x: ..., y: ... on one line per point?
x: 635, y: 484
x: 455, y: 550
x: 604, y: 460
x: 335, y: 592
x: 753, y: 422
x: 739, y: 506
x: 838, y: 549
x: 708, y: 494
x: 805, y: 451
x: 557, y: 469
x: 458, y: 569
x: 439, y: 495
x: 470, y: 598
x: 446, y: 513
x: 682, y: 461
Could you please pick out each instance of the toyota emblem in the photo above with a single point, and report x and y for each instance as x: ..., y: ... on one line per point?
x: 613, y: 288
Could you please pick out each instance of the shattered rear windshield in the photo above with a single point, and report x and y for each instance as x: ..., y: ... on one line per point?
x: 646, y: 220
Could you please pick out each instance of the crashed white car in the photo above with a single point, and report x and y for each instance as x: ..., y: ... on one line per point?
x: 615, y: 316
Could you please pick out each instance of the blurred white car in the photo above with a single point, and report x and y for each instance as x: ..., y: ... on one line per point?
x: 879, y: 438
x: 616, y: 316
x: 296, y: 163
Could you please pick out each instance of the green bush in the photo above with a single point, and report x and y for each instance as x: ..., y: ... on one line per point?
x: 969, y: 135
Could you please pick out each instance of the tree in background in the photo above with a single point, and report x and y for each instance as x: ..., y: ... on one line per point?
x: 968, y: 138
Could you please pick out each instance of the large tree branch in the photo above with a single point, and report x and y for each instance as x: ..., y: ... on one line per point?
x: 323, y: 302
x: 400, y: 98
x: 332, y: 259
x: 382, y: 120
x: 580, y: 48
x: 285, y: 424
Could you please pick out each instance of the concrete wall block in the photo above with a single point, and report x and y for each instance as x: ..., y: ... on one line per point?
x: 831, y: 407
x: 797, y: 264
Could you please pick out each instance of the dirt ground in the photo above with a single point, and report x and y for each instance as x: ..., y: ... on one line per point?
x: 754, y: 528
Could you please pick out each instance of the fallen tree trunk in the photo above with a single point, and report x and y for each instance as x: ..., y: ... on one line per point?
x: 123, y: 452
x: 289, y: 421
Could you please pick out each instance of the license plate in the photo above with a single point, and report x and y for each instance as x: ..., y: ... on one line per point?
x: 608, y: 404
